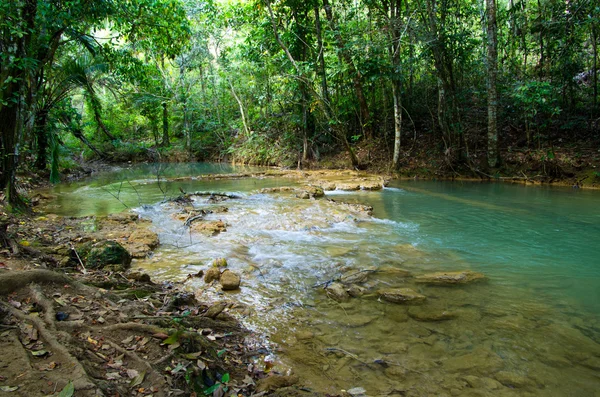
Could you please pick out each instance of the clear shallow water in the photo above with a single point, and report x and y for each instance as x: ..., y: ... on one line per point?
x: 532, y: 329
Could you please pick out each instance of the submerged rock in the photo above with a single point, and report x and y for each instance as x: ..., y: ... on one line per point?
x: 355, y: 291
x: 230, y: 281
x: 355, y: 277
x: 510, y: 379
x: 450, y: 278
x: 430, y: 314
x: 482, y: 383
x: 480, y: 361
x: 212, y: 274
x: 337, y: 292
x: 401, y: 295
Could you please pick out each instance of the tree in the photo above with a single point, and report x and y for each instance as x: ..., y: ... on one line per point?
x: 492, y: 91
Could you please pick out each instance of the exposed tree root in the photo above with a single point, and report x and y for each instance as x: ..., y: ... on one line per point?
x: 80, y: 378
x: 13, y: 281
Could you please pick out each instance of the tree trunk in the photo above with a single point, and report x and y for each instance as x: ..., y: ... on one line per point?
x: 241, y: 106
x: 492, y: 66
x: 396, y: 36
x: 366, y: 126
x: 165, y: 126
x: 323, y: 71
x: 595, y: 70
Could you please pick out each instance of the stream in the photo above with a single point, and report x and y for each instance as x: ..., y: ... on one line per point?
x: 531, y: 329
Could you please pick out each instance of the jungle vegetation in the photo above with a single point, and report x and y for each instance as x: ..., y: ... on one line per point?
x: 286, y: 82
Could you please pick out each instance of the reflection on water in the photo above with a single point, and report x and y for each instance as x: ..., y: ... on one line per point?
x: 532, y: 329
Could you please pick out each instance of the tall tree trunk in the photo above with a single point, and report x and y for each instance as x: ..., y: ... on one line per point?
x: 241, y: 106
x: 396, y: 36
x: 492, y: 66
x: 165, y: 125
x: 322, y: 70
x: 12, y: 95
x: 326, y: 107
x: 595, y: 70
x: 366, y: 126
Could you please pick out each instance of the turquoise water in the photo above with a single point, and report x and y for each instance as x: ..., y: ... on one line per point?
x: 532, y: 329
x: 546, y: 239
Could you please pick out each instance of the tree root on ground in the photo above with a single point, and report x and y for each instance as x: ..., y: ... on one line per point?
x: 13, y: 281
x: 79, y: 376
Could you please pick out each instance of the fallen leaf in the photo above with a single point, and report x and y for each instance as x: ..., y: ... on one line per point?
x: 40, y: 353
x: 160, y: 335
x: 92, y: 341
x: 113, y: 375
x: 132, y: 373
x: 68, y: 390
x: 127, y: 340
x: 137, y: 380
x: 60, y: 301
x: 8, y: 388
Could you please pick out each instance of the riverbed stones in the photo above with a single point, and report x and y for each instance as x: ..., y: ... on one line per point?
x: 401, y: 295
x: 356, y: 291
x: 513, y: 380
x: 355, y: 276
x: 212, y: 274
x: 482, y: 383
x: 430, y: 314
x: 480, y: 361
x: 209, y: 228
x: 144, y: 237
x: 337, y: 292
x: 230, y: 281
x: 450, y: 278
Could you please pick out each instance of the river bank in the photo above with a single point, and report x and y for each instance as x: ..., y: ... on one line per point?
x: 73, y: 322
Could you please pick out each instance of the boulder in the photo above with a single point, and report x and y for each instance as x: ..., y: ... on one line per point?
x: 105, y: 254
x: 401, y: 295
x: 230, y: 281
x: 450, y: 278
x: 212, y: 274
x: 144, y: 237
x: 337, y: 292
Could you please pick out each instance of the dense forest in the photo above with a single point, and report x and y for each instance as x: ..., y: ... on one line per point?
x: 291, y: 82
